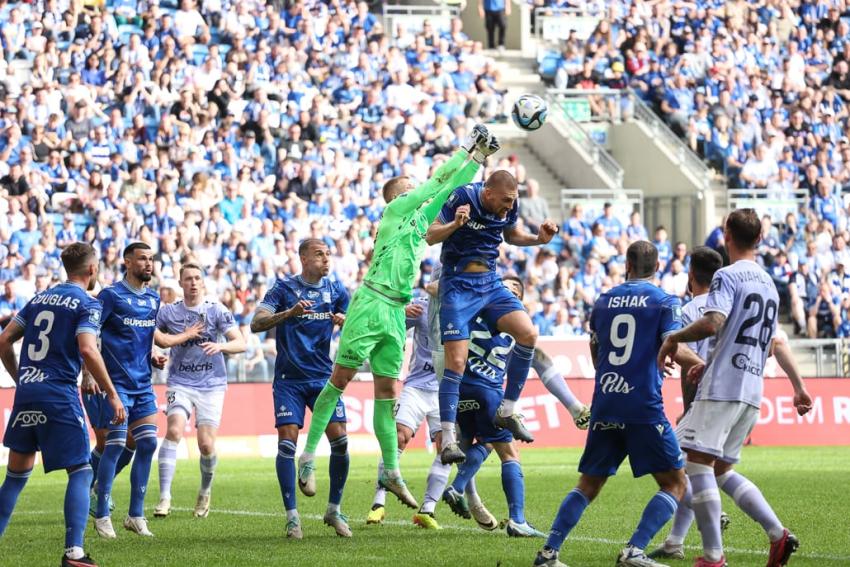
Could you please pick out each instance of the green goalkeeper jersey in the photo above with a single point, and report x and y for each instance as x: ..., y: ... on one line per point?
x: 400, y: 243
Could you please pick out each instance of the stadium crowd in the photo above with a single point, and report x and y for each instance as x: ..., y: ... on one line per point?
x: 227, y: 132
x: 761, y: 91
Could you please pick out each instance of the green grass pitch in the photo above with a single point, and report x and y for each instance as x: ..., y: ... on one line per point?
x: 807, y: 486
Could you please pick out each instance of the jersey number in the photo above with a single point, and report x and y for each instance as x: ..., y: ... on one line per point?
x: 621, y: 341
x: 765, y: 314
x: 43, y: 339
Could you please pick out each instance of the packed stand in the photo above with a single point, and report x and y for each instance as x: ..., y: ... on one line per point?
x: 224, y: 133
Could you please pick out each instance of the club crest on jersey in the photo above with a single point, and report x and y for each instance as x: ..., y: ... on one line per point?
x: 326, y: 297
x: 715, y: 285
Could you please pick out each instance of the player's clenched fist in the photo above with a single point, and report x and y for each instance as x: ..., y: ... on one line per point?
x: 300, y: 308
x: 338, y: 319
x: 461, y: 215
x: 413, y: 310
x: 547, y: 231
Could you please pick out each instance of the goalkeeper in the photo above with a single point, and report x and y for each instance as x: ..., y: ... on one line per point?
x: 375, y: 324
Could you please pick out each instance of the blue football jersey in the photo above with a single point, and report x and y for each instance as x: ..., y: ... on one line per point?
x: 630, y: 323
x: 50, y: 358
x: 303, y: 343
x: 129, y: 322
x: 488, y: 355
x: 479, y: 239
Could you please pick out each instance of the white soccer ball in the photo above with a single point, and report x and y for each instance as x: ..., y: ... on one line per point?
x: 529, y: 112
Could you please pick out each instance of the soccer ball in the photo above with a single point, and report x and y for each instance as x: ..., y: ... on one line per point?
x: 529, y: 112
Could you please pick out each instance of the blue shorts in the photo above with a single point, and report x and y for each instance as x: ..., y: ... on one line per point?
x: 465, y: 295
x: 57, y: 429
x: 138, y: 406
x: 97, y: 408
x: 651, y: 448
x: 290, y: 399
x: 475, y: 412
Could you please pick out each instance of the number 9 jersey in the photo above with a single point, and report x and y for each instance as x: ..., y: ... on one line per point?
x: 746, y: 295
x: 629, y: 324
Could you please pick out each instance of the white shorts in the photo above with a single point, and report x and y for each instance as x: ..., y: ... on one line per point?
x: 208, y: 404
x: 416, y: 404
x: 717, y: 428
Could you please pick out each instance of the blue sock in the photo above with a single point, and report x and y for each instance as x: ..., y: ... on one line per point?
x: 338, y: 469
x: 140, y: 472
x: 657, y: 513
x: 475, y: 457
x: 115, y: 440
x: 77, y: 500
x: 568, y: 516
x: 9, y: 492
x: 94, y: 461
x: 124, y: 460
x: 449, y: 395
x: 285, y: 465
x: 514, y: 487
x: 519, y: 363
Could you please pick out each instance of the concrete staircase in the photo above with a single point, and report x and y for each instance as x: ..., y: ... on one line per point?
x: 519, y: 76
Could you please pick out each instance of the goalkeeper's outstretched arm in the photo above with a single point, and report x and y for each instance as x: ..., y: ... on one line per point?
x: 446, y: 177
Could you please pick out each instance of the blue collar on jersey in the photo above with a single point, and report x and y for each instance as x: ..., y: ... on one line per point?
x: 302, y: 281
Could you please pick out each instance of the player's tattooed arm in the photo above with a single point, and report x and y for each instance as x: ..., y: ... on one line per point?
x: 439, y: 232
x: 11, y: 334
x: 166, y: 340
x: 264, y: 320
x: 706, y: 326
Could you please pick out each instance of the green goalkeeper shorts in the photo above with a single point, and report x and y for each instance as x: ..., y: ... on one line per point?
x: 374, y: 330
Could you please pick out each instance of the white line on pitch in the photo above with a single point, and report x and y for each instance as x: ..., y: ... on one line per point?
x: 599, y: 540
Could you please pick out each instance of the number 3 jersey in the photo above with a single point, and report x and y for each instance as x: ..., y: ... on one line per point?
x: 746, y: 295
x: 50, y: 358
x: 629, y: 323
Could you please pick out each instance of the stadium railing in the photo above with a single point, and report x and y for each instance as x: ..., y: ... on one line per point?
x: 411, y: 16
x: 624, y: 201
x: 684, y: 155
x: 568, y: 126
x: 764, y: 203
x: 822, y: 357
x: 554, y: 25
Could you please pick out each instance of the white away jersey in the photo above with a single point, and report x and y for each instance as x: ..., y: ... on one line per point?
x: 746, y: 295
x: 690, y: 313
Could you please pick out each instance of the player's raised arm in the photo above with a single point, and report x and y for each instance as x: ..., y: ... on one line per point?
x: 457, y: 171
x: 11, y: 334
x: 519, y: 237
x: 439, y: 230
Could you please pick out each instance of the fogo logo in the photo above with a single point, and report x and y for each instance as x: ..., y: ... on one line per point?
x: 29, y: 419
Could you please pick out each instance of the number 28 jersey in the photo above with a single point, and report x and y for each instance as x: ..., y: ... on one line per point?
x: 630, y: 322
x: 747, y: 296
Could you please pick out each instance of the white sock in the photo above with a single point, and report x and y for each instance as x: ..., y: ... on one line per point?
x: 507, y: 408
x: 449, y: 435
x: 438, y: 478
x: 291, y: 515
x: 333, y: 508
x: 74, y: 552
x: 471, y: 492
x: 380, y: 494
